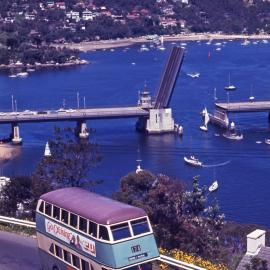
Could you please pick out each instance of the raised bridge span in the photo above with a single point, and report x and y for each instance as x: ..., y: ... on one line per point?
x: 154, y: 117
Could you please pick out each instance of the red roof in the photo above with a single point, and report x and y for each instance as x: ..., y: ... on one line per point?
x: 92, y: 206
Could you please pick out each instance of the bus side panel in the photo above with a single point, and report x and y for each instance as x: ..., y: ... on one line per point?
x: 104, y: 251
x: 135, y: 251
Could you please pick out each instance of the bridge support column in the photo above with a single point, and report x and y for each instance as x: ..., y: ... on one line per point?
x: 16, y: 139
x: 269, y: 117
x: 159, y: 121
x: 82, y: 130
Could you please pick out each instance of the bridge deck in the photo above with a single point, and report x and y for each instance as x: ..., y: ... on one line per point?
x: 246, y: 106
x: 75, y: 115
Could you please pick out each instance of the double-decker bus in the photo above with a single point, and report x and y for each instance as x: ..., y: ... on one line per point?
x: 81, y: 230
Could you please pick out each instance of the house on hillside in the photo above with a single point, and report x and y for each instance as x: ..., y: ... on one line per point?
x: 255, y: 249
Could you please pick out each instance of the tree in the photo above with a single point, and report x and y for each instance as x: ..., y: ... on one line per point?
x: 68, y: 166
x: 185, y: 220
x: 16, y: 191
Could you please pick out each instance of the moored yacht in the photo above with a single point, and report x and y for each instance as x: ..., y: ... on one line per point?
x: 193, y: 161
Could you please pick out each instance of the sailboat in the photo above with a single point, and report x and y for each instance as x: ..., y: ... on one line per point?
x: 251, y: 97
x: 206, y: 121
x: 230, y: 86
x: 215, y: 94
x: 138, y: 160
x: 161, y: 47
x: 47, y: 152
x: 214, y: 186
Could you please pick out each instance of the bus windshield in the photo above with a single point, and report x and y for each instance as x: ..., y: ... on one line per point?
x: 140, y: 226
x: 120, y: 231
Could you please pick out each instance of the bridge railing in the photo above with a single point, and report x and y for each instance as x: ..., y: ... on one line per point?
x: 19, y: 222
x: 180, y: 264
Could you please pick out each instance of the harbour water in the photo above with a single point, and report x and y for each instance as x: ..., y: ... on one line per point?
x: 114, y: 78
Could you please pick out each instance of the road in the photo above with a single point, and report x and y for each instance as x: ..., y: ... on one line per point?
x: 18, y: 252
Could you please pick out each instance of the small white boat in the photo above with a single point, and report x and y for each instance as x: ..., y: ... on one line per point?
x: 12, y: 76
x: 218, y: 49
x: 47, y: 152
x: 193, y: 161
x: 251, y: 98
x: 22, y: 74
x: 258, y: 142
x: 206, y: 120
x: 233, y: 136
x: 133, y: 63
x: 144, y: 48
x: 245, y: 42
x: 194, y: 74
x: 230, y: 86
x: 267, y: 141
x: 214, y: 186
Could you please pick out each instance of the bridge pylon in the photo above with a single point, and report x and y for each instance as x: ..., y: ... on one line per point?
x: 82, y: 130
x: 16, y: 139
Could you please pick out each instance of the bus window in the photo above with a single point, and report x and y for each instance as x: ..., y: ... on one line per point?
x: 73, y: 220
x: 120, y: 231
x: 83, y: 224
x: 41, y: 207
x: 92, y: 229
x: 56, y: 212
x: 64, y: 216
x: 84, y: 264
x: 58, y: 251
x: 67, y: 256
x: 51, y: 249
x: 48, y: 209
x: 75, y: 261
x: 103, y: 233
x: 140, y: 226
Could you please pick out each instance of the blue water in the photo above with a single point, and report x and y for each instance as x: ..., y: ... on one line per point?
x: 112, y: 80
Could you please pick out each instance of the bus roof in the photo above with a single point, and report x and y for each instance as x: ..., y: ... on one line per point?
x: 92, y: 206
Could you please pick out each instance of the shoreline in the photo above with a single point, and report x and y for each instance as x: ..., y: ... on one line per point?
x: 109, y: 44
x: 37, y: 66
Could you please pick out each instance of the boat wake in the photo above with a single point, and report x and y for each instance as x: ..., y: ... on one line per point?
x: 216, y: 165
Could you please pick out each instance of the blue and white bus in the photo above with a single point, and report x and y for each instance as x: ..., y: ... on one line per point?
x: 80, y: 230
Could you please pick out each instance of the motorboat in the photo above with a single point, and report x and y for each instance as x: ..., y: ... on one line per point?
x: 193, y: 161
x: 144, y: 48
x: 214, y: 186
x: 233, y: 136
x: 206, y: 120
x: 267, y: 141
x: 245, y: 42
x: 194, y: 74
x: 22, y: 74
x: 230, y: 86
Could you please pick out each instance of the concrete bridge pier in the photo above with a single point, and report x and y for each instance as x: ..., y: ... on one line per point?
x: 16, y: 139
x: 159, y: 121
x: 82, y: 130
x: 269, y: 117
